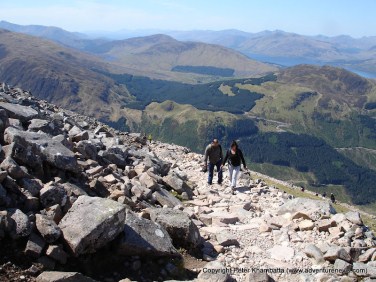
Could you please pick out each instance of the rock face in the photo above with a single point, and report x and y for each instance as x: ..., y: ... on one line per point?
x: 43, y: 147
x: 15, y: 111
x: 183, y: 232
x: 91, y: 223
x: 313, y: 208
x: 144, y: 237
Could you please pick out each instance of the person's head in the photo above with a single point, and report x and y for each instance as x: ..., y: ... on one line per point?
x: 215, y: 142
x: 234, y: 145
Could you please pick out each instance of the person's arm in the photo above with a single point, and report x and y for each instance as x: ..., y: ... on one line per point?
x: 242, y: 158
x: 206, y: 155
x: 225, y: 160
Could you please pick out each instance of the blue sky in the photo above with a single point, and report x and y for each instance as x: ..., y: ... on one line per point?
x: 327, y: 17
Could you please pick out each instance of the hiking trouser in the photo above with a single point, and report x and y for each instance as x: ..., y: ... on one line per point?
x: 234, y: 173
x: 211, y: 171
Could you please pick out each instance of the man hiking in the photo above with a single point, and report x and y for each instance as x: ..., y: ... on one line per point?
x: 213, y: 152
x: 235, y: 157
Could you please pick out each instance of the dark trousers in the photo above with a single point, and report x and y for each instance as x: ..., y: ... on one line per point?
x: 211, y: 171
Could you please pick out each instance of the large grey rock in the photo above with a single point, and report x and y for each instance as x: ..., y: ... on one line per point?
x: 91, y: 223
x: 42, y: 148
x: 35, y: 246
x: 161, y: 167
x: 336, y: 252
x: 16, y: 111
x: 53, y: 194
x: 143, y: 237
x: 183, y: 232
x: 177, y: 184
x: 47, y: 228
x: 364, y: 270
x: 367, y: 255
x: 342, y: 266
x: 165, y: 198
x: 32, y: 185
x: 213, y: 271
x: 314, y: 252
x: 13, y: 169
x: 87, y: 149
x: 313, y: 208
x: 115, y: 155
x: 55, y: 276
x: 354, y: 217
x: 57, y: 253
x: 18, y: 224
x: 226, y: 238
x: 147, y: 181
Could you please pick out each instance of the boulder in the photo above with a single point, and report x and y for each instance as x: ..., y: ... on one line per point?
x: 91, y: 223
x: 53, y: 194
x: 177, y: 184
x: 314, y: 252
x: 13, y: 169
x: 367, y: 255
x: 57, y: 253
x: 354, y: 217
x: 41, y: 147
x: 183, y: 232
x: 213, y: 271
x: 144, y: 237
x: 226, y: 238
x: 342, y: 266
x: 165, y: 198
x: 115, y: 155
x: 99, y: 188
x: 147, y: 181
x: 306, y: 225
x: 336, y: 252
x: 364, y: 270
x: 54, y: 213
x: 33, y: 185
x: 23, y: 113
x: 55, y: 276
x: 312, y: 208
x: 87, y: 149
x: 35, y: 246
x: 18, y: 224
x: 47, y: 228
x: 161, y: 167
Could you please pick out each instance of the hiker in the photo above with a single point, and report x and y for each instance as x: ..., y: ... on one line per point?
x: 332, y: 198
x: 302, y: 189
x: 235, y: 157
x: 150, y: 138
x: 324, y: 195
x: 213, y: 152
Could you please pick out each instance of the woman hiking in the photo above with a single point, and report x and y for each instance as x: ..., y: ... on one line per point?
x: 235, y: 157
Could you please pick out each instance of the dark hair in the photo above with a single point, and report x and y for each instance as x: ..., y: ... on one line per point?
x: 234, y: 144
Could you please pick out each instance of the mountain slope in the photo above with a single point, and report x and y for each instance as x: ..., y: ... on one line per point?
x: 161, y: 52
x: 55, y: 73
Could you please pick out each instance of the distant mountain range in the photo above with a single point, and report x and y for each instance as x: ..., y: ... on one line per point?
x: 273, y: 47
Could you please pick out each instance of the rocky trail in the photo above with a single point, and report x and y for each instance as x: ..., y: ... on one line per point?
x: 80, y: 201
